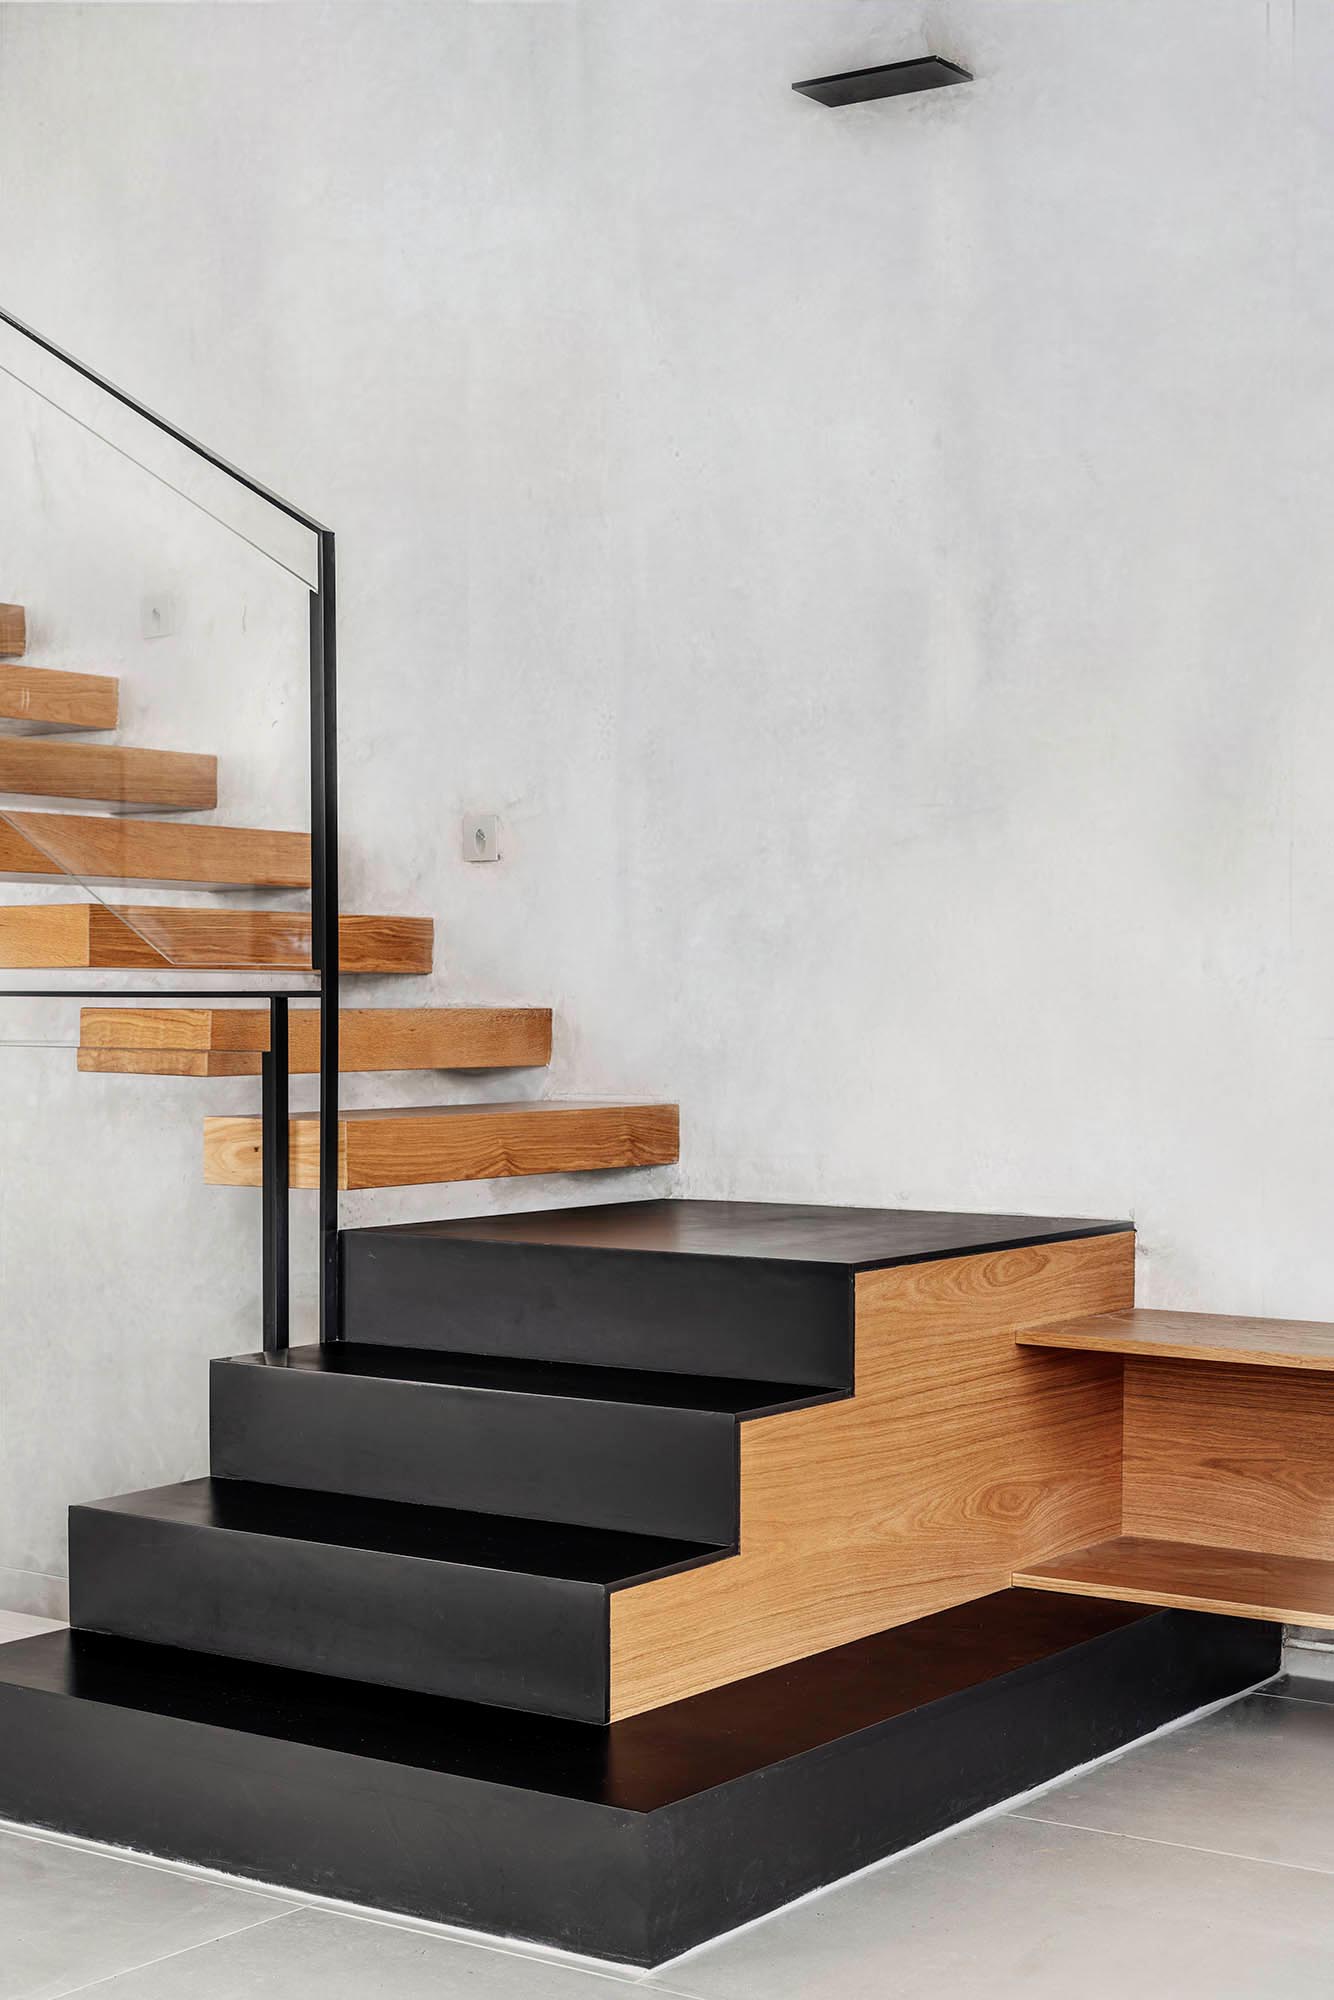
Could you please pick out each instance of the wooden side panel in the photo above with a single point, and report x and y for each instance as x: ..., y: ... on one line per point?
x: 49, y: 698
x: 960, y: 1456
x: 416, y: 1146
x: 1232, y: 1456
x: 52, y: 768
x: 13, y: 632
x: 52, y: 846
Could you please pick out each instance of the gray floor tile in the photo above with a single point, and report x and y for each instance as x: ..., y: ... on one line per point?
x: 1255, y: 1779
x: 1014, y: 1910
x: 317, y: 1952
x: 21, y: 1625
x: 1302, y: 1687
x: 69, y: 1916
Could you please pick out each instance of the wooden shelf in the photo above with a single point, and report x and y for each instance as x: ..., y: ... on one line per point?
x: 34, y: 699
x: 1191, y: 1576
x: 47, y: 768
x: 227, y: 1041
x: 419, y: 1145
x: 100, y: 936
x: 153, y: 853
x: 1186, y: 1336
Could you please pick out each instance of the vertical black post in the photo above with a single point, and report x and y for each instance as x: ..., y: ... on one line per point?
x: 276, y: 1174
x: 324, y: 912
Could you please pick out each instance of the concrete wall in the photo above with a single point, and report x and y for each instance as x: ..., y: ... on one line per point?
x: 876, y: 562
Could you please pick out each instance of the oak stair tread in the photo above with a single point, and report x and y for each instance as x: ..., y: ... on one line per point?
x: 104, y: 936
x: 417, y: 1145
x: 1191, y: 1336
x: 1193, y: 1576
x: 229, y: 1041
x: 48, y: 769
x: 154, y: 853
x: 39, y: 699
x: 13, y: 632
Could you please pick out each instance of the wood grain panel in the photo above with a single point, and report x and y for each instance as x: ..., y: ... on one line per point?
x: 227, y: 1041
x: 48, y: 767
x: 420, y: 1145
x: 40, y: 698
x: 97, y: 936
x: 1190, y: 1336
x: 1194, y: 1576
x: 13, y: 632
x: 155, y: 852
x: 960, y: 1456
x: 1216, y: 1454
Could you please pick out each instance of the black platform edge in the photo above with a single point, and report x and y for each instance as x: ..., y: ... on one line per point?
x: 632, y: 1843
x: 898, y: 79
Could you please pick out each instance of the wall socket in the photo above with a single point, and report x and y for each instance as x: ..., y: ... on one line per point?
x: 481, y: 837
x: 157, y: 615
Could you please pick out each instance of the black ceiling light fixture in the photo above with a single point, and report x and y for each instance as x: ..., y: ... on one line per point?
x: 859, y: 86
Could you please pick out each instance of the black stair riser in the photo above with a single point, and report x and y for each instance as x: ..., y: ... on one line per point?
x: 552, y: 1458
x: 497, y: 1636
x: 695, y: 1315
x: 194, y: 1761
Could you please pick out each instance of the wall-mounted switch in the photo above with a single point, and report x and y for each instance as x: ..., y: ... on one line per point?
x: 481, y: 837
x: 158, y: 616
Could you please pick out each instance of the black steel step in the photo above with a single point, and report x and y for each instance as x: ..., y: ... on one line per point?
x: 644, y: 1453
x: 756, y: 1290
x: 635, y: 1841
x: 468, y: 1605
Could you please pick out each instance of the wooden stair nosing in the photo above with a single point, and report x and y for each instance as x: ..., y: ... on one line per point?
x: 48, y: 768
x: 96, y: 936
x: 420, y: 1145
x: 203, y: 1042
x: 153, y: 853
x: 1237, y: 1341
x: 40, y: 699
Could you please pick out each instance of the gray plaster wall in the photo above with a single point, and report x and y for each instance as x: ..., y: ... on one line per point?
x: 875, y: 562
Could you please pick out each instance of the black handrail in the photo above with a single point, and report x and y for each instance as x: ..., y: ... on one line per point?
x: 324, y: 938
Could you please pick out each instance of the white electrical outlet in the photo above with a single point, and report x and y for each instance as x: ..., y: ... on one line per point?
x: 481, y: 837
x: 158, y: 616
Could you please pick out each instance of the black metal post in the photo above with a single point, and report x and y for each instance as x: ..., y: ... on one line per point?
x: 276, y: 1176
x: 324, y: 913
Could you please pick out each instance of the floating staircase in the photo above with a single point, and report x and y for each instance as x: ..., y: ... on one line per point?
x: 625, y: 1572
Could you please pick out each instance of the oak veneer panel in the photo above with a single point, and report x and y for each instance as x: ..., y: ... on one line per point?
x: 49, y: 698
x: 416, y: 1146
x: 48, y: 767
x: 1232, y: 1455
x: 155, y: 852
x: 218, y: 1041
x: 1193, y: 1576
x: 959, y: 1456
x: 13, y: 632
x: 97, y: 936
x: 1191, y: 1336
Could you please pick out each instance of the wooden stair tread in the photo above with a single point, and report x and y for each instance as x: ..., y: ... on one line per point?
x: 42, y: 698
x: 227, y: 1041
x: 1192, y: 1576
x: 157, y: 853
x: 1191, y: 1336
x: 49, y: 768
x: 96, y: 936
x: 417, y: 1145
x: 13, y: 632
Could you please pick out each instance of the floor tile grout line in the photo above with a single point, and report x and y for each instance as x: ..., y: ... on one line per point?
x: 166, y: 1957
x: 1183, y: 1846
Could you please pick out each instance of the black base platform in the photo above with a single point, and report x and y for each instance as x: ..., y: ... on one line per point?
x: 632, y: 1842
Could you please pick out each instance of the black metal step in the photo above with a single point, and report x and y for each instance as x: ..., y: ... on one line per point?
x: 468, y: 1605
x: 606, y: 1447
x: 756, y: 1290
x: 635, y: 1841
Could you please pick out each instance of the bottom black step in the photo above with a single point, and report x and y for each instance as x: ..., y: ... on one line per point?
x: 633, y: 1842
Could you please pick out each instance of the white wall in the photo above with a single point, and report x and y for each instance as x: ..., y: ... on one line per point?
x: 875, y: 561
